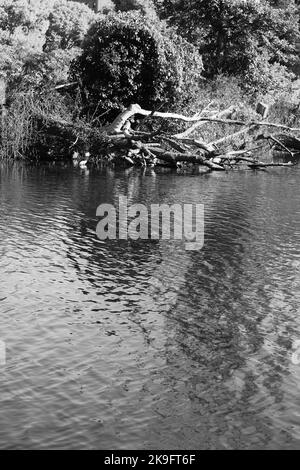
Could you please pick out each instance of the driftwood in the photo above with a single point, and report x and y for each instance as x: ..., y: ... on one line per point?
x: 281, y: 144
x: 134, y: 109
x: 119, y: 143
x: 156, y: 148
x: 265, y: 165
x: 223, y: 114
x: 288, y: 141
x: 231, y: 137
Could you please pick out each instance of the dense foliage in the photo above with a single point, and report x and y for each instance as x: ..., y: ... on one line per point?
x: 68, y: 25
x: 127, y: 60
x: 234, y: 35
x: 39, y: 39
x: 252, y: 39
x: 162, y: 54
x: 23, y: 25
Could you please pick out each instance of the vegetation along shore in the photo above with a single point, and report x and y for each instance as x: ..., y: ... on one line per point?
x: 212, y: 84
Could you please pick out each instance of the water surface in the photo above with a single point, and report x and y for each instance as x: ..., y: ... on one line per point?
x: 143, y: 344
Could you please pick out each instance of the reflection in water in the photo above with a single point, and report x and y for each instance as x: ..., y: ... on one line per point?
x: 143, y: 344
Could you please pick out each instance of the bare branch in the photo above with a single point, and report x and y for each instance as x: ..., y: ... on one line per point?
x: 210, y: 148
x: 133, y: 109
x: 227, y: 138
x: 226, y: 113
x: 265, y: 165
x: 280, y: 144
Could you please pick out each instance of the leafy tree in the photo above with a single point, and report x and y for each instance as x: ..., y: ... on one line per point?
x: 68, y: 24
x: 24, y: 21
x: 40, y: 70
x: 23, y: 24
x: 233, y: 34
x: 12, y: 15
x: 127, y: 60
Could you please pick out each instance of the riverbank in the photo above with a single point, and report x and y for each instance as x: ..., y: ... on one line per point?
x: 225, y: 128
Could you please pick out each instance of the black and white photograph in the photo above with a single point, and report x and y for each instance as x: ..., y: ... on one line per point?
x: 150, y: 227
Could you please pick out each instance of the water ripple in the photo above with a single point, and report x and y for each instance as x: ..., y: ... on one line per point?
x: 143, y: 344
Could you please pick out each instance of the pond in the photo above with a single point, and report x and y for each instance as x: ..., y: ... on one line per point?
x: 143, y: 344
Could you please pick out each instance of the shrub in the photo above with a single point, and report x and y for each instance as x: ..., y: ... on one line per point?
x: 42, y: 71
x: 128, y: 60
x: 285, y: 106
x: 31, y: 126
x: 220, y: 93
x: 263, y: 77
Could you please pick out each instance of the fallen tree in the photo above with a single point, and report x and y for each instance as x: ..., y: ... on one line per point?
x: 123, y: 142
x: 145, y: 148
